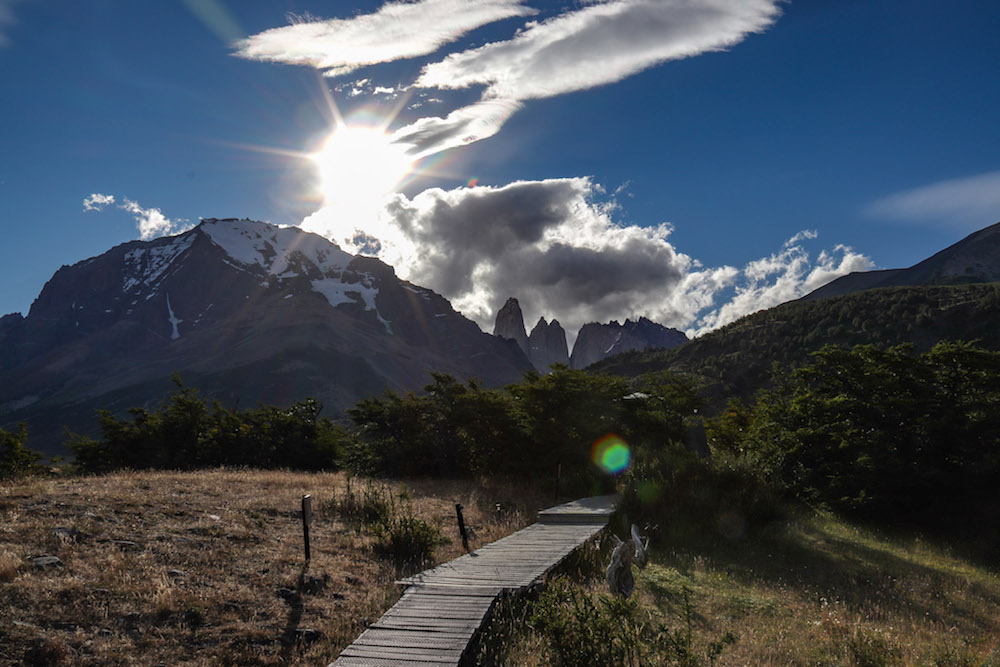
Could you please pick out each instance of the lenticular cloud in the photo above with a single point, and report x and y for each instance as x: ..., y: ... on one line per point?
x: 398, y: 30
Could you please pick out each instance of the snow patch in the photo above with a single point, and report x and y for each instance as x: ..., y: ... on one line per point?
x: 174, y: 321
x: 275, y: 249
x: 145, y: 266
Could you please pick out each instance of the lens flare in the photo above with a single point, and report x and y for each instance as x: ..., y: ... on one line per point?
x: 611, y: 454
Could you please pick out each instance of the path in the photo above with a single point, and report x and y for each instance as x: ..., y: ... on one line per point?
x: 444, y: 608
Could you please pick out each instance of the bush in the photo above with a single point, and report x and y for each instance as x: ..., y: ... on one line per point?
x: 408, y: 541
x: 584, y: 629
x: 16, y: 460
x: 400, y: 536
x: 185, y: 432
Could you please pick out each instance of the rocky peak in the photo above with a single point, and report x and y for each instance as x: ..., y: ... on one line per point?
x: 599, y: 341
x: 510, y: 324
x: 547, y: 345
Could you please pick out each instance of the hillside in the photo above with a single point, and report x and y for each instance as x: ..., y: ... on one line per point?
x: 736, y: 360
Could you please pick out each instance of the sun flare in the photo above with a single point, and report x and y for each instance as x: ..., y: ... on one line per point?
x: 358, y: 166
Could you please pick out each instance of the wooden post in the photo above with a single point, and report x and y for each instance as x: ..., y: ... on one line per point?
x: 307, y: 516
x: 461, y: 527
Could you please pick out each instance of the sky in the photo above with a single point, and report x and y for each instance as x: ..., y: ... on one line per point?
x: 691, y: 161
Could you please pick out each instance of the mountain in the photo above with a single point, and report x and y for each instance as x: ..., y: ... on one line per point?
x: 974, y: 259
x: 547, y: 345
x: 247, y: 312
x: 952, y: 295
x: 510, y: 324
x: 600, y: 341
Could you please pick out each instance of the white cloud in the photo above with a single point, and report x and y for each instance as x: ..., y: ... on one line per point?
x: 463, y: 126
x: 97, y: 201
x: 397, y: 30
x: 786, y: 275
x: 556, y: 246
x: 970, y: 202
x: 599, y: 44
x: 592, y: 46
x: 151, y: 222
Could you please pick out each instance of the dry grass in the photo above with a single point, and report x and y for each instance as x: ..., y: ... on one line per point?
x: 818, y: 591
x: 215, y: 572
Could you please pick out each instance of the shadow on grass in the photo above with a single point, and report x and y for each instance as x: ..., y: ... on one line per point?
x: 862, y: 569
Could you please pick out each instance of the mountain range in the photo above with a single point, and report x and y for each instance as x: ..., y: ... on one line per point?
x: 546, y: 345
x: 251, y: 313
x: 247, y: 312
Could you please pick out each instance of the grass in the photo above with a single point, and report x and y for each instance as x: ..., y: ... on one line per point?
x: 209, y: 565
x: 211, y: 572
x: 812, y: 591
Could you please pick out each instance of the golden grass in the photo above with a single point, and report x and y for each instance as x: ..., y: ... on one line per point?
x: 819, y: 591
x: 213, y: 576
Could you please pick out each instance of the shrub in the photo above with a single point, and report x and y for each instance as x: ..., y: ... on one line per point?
x: 585, y: 629
x: 408, y: 541
x: 16, y: 460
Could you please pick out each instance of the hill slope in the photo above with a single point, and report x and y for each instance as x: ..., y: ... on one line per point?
x: 736, y: 360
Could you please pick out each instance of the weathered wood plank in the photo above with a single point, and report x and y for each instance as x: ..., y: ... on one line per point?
x: 444, y: 607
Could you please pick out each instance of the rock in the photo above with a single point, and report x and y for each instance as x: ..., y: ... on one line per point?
x: 600, y: 341
x: 547, y: 345
x: 510, y: 324
x: 125, y: 545
x: 45, y: 561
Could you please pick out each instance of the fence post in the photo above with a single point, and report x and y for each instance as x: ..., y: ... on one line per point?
x: 461, y: 527
x: 307, y: 516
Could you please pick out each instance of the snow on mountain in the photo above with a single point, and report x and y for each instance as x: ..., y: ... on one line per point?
x: 280, y: 251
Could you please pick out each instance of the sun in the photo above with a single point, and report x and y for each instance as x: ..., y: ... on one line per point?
x: 358, y: 166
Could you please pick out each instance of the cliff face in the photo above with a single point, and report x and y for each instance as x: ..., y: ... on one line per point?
x: 547, y: 345
x: 600, y: 341
x: 510, y: 324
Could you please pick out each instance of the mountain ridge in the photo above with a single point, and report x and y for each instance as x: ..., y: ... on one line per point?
x: 250, y: 311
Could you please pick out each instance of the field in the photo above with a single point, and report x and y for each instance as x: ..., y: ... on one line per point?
x: 204, y: 568
x: 207, y: 568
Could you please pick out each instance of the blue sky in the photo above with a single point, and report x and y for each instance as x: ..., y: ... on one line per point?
x: 690, y: 160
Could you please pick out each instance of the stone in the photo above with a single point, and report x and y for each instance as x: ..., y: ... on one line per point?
x: 45, y: 561
x: 547, y: 345
x: 510, y: 324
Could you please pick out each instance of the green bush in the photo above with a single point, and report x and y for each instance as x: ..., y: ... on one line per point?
x: 16, y: 460
x: 185, y: 432
x: 595, y: 629
x: 408, y: 541
x: 888, y: 432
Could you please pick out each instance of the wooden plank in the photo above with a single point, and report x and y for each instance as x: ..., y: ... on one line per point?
x: 444, y: 607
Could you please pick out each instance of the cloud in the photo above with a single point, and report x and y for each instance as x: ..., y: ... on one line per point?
x: 397, y: 30
x: 556, y: 246
x: 599, y: 44
x: 783, y: 276
x: 463, y: 126
x: 970, y: 202
x: 592, y: 46
x: 96, y: 202
x: 151, y: 222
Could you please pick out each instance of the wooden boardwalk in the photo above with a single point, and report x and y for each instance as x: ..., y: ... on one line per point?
x: 443, y: 609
